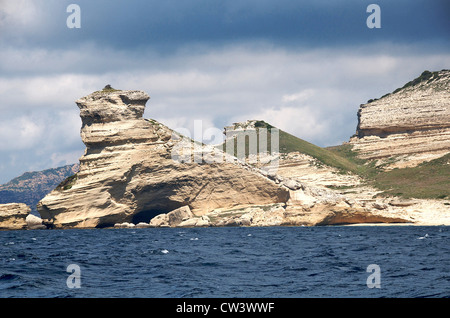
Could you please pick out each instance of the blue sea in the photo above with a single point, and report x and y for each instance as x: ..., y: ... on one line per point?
x: 240, y: 262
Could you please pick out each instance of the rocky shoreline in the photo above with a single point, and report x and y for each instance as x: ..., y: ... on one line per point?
x: 346, y: 212
x: 17, y: 216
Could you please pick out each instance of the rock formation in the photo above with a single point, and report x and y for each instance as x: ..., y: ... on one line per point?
x: 139, y: 173
x: 306, y: 207
x: 131, y: 171
x: 34, y: 222
x: 413, y: 121
x: 13, y: 216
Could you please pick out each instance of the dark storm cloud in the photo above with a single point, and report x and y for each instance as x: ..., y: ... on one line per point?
x: 165, y: 25
x: 324, y: 23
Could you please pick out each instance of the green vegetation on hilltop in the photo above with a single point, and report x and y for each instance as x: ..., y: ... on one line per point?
x: 107, y: 89
x: 426, y: 76
x: 68, y: 183
x: 289, y: 143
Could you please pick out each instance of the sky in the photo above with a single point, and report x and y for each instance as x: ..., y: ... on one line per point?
x: 303, y: 66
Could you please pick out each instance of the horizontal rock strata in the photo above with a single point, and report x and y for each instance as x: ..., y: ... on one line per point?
x: 129, y: 172
x: 138, y: 173
x: 413, y: 120
x: 13, y: 216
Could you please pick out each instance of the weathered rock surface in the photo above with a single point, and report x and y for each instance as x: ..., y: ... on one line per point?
x: 309, y: 206
x: 13, y: 216
x: 34, y: 222
x: 310, y: 171
x: 138, y: 173
x: 128, y: 172
x: 306, y: 208
x: 412, y: 121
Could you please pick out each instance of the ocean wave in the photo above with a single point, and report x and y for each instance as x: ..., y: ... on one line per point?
x: 7, y: 277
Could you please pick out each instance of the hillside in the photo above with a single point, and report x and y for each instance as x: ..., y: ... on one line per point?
x: 429, y: 180
x: 401, y: 146
x: 333, y: 167
x: 412, y: 122
x: 31, y: 187
x: 289, y: 143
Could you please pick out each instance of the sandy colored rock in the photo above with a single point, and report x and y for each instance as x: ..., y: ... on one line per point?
x: 305, y: 169
x: 34, y: 222
x: 129, y: 173
x: 188, y: 223
x: 142, y: 225
x: 137, y: 171
x: 160, y: 220
x: 13, y: 216
x: 195, y: 222
x: 179, y: 215
x: 413, y: 121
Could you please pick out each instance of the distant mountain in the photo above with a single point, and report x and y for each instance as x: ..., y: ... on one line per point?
x: 31, y: 187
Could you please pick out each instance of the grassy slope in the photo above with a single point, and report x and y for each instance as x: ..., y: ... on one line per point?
x: 289, y: 143
x: 428, y: 180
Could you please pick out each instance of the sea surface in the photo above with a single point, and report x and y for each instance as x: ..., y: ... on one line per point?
x: 268, y: 262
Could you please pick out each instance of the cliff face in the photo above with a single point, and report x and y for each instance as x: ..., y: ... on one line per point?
x: 128, y: 172
x: 412, y: 121
x: 13, y: 216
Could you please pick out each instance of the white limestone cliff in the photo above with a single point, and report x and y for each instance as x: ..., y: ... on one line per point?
x: 413, y: 122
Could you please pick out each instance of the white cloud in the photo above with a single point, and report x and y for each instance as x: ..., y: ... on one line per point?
x: 20, y: 19
x: 222, y: 83
x: 30, y: 92
x: 300, y: 121
x: 18, y: 13
x: 19, y: 133
x: 61, y: 159
x: 299, y: 97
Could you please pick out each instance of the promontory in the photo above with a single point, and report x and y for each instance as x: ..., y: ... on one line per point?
x: 137, y: 171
